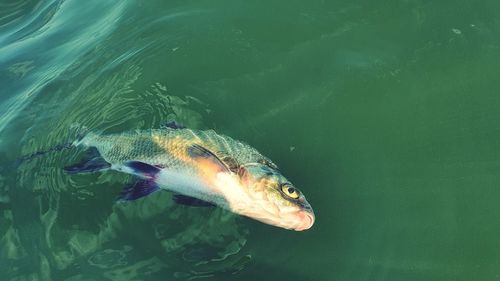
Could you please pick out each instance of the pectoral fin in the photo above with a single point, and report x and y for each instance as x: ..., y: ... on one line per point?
x: 198, y: 152
x: 191, y: 201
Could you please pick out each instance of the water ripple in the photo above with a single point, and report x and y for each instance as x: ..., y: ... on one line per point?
x: 46, y: 45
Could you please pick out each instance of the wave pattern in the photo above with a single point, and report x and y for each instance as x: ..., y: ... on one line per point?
x: 68, y: 228
x: 65, y: 31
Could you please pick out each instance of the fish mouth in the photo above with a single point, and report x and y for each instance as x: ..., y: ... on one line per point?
x: 306, y: 220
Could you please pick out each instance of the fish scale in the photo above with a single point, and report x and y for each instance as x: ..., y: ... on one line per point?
x: 168, y: 147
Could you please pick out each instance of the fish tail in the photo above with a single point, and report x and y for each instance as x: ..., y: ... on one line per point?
x: 55, y: 148
x: 81, y: 136
x: 81, y: 132
x: 85, y: 139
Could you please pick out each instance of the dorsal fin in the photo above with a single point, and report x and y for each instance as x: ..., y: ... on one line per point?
x: 172, y: 125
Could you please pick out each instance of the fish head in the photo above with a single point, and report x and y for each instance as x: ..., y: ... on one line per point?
x: 270, y: 198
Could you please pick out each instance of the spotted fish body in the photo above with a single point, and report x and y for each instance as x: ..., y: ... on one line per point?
x: 205, y: 166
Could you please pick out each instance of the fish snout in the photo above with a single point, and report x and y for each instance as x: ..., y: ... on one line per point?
x: 306, y: 219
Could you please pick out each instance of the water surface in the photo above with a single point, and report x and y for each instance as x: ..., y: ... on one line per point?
x: 384, y: 113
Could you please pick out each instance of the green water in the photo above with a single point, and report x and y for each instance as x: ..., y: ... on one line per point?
x: 384, y: 113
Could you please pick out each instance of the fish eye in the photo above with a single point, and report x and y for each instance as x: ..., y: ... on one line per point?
x: 290, y: 191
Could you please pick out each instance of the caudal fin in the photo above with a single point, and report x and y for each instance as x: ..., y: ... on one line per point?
x: 76, y: 135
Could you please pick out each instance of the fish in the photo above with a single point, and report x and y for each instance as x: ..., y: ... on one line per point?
x: 201, y: 168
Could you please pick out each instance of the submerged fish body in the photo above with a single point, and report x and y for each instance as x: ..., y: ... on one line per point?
x: 201, y: 167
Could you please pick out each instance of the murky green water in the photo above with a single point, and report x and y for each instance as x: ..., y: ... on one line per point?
x: 385, y: 113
